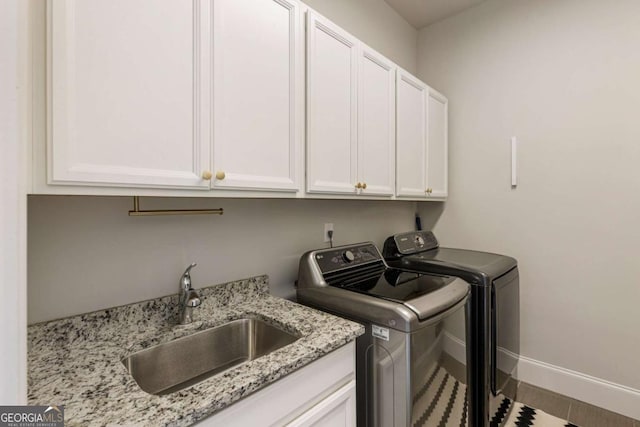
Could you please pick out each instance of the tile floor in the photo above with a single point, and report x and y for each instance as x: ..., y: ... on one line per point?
x: 576, y: 412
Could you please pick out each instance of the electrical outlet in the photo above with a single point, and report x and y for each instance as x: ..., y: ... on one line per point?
x: 328, y: 226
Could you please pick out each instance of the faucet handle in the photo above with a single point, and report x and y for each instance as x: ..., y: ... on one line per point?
x: 185, y: 280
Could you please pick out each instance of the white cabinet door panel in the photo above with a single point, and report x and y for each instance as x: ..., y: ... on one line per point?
x: 325, y: 387
x: 257, y: 82
x: 331, y: 107
x: 437, y: 155
x: 376, y: 123
x: 337, y: 410
x: 127, y: 85
x: 411, y: 136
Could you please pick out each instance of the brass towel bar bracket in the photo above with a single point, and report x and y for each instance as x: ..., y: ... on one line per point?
x: 158, y: 212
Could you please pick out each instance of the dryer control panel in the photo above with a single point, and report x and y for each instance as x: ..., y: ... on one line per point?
x: 409, y: 243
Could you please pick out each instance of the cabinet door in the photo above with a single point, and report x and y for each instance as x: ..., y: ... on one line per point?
x: 257, y: 93
x: 376, y: 123
x: 411, y: 136
x: 337, y: 410
x: 437, y: 145
x: 128, y: 93
x: 331, y: 107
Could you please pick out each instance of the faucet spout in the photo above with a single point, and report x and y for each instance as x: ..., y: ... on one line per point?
x: 189, y: 298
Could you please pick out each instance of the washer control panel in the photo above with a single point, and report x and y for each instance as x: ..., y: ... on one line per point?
x: 347, y: 256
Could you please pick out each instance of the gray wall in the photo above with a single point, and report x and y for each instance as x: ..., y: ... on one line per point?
x: 86, y: 253
x: 562, y: 76
x: 377, y: 24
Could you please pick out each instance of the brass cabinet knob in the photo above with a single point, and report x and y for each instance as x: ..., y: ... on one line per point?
x: 220, y: 175
x: 359, y: 185
x: 364, y: 185
x: 206, y: 175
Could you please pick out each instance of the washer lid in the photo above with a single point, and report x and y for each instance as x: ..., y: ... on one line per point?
x: 424, y: 294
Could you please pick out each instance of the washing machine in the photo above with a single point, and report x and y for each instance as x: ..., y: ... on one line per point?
x: 494, y: 335
x: 403, y: 374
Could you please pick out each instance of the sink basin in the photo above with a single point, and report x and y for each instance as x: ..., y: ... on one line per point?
x: 181, y: 363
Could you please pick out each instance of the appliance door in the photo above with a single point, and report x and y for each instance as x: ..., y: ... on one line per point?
x: 505, y: 330
x: 438, y: 378
x: 417, y: 378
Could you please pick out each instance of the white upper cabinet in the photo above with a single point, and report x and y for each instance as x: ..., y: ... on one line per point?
x: 127, y: 88
x: 214, y: 94
x: 376, y: 123
x: 167, y: 96
x: 437, y: 145
x: 350, y: 114
x: 411, y: 136
x: 332, y: 65
x: 421, y: 151
x: 257, y: 94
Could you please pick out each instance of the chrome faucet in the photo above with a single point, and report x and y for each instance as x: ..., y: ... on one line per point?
x: 189, y: 298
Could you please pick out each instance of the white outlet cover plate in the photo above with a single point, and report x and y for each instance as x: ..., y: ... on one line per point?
x: 328, y: 226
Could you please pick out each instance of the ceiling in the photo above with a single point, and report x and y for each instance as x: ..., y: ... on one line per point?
x: 421, y: 13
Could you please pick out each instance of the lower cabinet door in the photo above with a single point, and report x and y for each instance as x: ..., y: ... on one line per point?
x: 337, y: 410
x: 319, y: 394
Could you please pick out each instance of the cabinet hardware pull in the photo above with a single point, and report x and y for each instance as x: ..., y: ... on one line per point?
x: 358, y: 185
x: 220, y: 175
x: 364, y: 185
x: 206, y: 175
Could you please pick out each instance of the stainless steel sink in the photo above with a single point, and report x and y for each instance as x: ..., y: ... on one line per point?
x: 177, y: 364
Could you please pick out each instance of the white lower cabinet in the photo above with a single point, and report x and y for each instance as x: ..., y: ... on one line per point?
x: 337, y: 410
x: 320, y: 394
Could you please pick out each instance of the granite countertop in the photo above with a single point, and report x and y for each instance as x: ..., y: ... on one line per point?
x: 76, y: 361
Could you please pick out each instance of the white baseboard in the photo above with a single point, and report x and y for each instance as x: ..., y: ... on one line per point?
x: 595, y: 391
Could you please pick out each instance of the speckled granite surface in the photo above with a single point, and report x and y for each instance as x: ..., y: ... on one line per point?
x: 76, y: 361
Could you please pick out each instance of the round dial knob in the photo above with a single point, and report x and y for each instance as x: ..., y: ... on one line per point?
x: 348, y: 256
x: 419, y: 241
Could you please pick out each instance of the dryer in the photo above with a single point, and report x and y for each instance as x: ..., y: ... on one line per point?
x: 494, y: 335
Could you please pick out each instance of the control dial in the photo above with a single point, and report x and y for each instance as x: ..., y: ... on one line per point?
x: 348, y: 256
x: 419, y: 241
